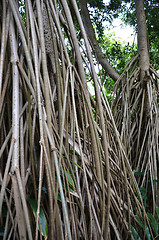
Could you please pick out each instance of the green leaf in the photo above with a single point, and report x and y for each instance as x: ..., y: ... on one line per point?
x: 135, y: 234
x: 148, y: 235
x: 76, y: 164
x: 59, y: 197
x: 42, y: 218
x: 153, y: 223
x: 140, y: 222
x: 70, y: 180
x: 139, y: 173
x: 143, y: 193
x: 155, y: 181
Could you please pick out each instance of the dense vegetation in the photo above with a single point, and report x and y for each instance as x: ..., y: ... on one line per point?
x: 73, y: 165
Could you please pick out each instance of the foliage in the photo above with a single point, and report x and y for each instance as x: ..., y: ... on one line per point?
x: 119, y: 54
x: 126, y: 10
x: 153, y: 219
x: 99, y: 14
x: 154, y: 223
x: 22, y: 10
x: 43, y: 228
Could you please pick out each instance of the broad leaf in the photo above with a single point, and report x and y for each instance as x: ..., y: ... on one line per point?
x: 42, y: 219
x: 153, y: 223
x: 148, y: 235
x: 135, y: 234
x: 139, y: 221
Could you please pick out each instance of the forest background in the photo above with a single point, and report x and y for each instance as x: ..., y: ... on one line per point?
x: 74, y: 163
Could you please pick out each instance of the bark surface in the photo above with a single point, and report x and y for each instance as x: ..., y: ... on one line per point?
x: 101, y: 58
x: 142, y: 40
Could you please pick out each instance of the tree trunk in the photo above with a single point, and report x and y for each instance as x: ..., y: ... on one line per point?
x: 101, y: 58
x: 144, y: 60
